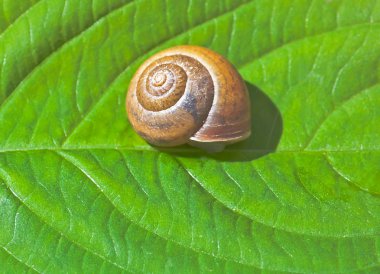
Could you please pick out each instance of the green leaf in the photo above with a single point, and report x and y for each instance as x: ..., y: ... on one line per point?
x: 80, y: 191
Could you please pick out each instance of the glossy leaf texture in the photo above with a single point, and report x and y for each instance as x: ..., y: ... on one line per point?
x: 81, y: 192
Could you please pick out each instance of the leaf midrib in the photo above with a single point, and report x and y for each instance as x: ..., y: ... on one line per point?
x: 57, y: 150
x: 189, y: 150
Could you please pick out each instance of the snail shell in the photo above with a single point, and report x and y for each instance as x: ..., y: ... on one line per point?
x: 189, y: 94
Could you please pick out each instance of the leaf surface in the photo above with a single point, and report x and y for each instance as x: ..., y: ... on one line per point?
x: 80, y: 191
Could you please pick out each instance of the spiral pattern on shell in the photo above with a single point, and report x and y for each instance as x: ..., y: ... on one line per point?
x: 173, y: 98
x: 162, y: 86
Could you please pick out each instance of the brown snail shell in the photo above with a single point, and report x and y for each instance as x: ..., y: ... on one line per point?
x: 189, y: 94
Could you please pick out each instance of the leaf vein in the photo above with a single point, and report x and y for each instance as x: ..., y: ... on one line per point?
x: 16, y: 195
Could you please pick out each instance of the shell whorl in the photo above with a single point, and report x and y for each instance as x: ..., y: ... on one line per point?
x: 161, y: 86
x: 173, y: 96
x: 188, y: 94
